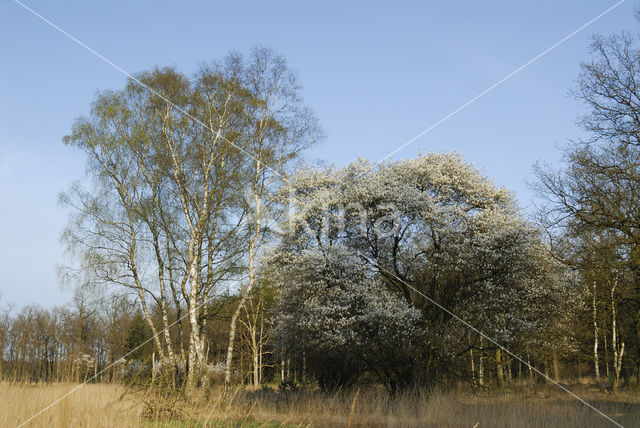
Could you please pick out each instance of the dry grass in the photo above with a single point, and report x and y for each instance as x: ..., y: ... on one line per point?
x: 110, y: 405
x: 97, y: 405
x: 527, y: 407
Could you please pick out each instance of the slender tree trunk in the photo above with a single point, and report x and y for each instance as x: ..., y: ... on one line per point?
x: 149, y: 319
x: 163, y: 305
x: 232, y: 337
x: 481, y: 364
x: 473, y: 368
x: 304, y: 367
x: 499, y: 368
x: 519, y: 369
x: 282, y: 378
x: 195, y: 343
x: 253, y: 243
x: 256, y: 371
x: 595, y: 333
x: 255, y: 338
x: 251, y: 326
x: 261, y: 348
x: 153, y: 367
x: 606, y: 351
x: 546, y: 369
x: 556, y: 365
x: 288, y: 368
x: 618, y: 350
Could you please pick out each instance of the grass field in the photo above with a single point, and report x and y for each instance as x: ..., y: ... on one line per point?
x: 114, y: 406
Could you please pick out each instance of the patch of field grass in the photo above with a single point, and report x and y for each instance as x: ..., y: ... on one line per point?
x: 244, y: 423
x: 104, y: 405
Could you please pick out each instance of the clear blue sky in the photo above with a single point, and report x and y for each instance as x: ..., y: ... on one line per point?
x: 376, y: 73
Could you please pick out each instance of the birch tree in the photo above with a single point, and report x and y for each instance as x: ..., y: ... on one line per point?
x: 182, y: 169
x: 616, y: 344
x: 280, y: 127
x: 161, y: 216
x: 596, y: 361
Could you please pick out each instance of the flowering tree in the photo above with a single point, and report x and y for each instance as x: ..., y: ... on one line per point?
x: 335, y: 313
x: 423, y: 230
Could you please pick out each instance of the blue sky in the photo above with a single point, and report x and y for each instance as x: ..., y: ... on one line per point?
x: 376, y: 74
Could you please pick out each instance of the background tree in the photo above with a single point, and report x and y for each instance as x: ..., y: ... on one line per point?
x: 591, y: 207
x: 5, y: 325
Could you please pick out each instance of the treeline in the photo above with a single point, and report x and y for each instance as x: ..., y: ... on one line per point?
x: 70, y: 343
x: 107, y: 339
x: 337, y: 334
x: 591, y: 208
x: 412, y: 273
x: 242, y: 264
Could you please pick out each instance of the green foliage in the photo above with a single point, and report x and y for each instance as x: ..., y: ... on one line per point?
x: 138, y: 345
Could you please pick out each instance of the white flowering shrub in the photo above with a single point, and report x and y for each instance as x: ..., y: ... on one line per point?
x: 386, y: 236
x: 345, y: 323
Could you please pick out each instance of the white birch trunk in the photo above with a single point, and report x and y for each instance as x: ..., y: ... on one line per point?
x: 260, y: 351
x: 253, y: 243
x: 481, y: 364
x: 595, y: 334
x: 618, y: 350
x: 232, y: 336
x: 195, y: 342
x: 473, y: 368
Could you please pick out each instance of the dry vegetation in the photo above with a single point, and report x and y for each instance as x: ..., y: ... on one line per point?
x: 95, y: 405
x: 101, y: 405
